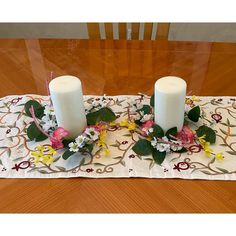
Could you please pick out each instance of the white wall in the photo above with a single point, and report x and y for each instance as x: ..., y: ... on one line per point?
x: 212, y: 32
x: 218, y: 32
x: 42, y: 30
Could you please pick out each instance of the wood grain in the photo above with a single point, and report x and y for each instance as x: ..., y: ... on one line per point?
x: 93, y: 30
x: 117, y: 67
x: 109, y: 30
x: 147, y: 31
x: 162, y: 31
x: 122, y: 30
x: 135, y: 30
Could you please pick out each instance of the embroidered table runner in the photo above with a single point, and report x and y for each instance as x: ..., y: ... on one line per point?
x: 16, y: 160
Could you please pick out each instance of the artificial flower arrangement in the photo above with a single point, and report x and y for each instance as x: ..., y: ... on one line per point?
x: 100, y: 118
x: 154, y: 141
x: 44, y: 125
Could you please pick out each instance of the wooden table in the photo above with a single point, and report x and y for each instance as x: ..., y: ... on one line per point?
x: 117, y: 67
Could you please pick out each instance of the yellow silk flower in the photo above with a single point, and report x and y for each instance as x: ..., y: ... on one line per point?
x: 208, y: 151
x: 195, y: 98
x: 102, y: 142
x: 129, y: 124
x: 44, y: 154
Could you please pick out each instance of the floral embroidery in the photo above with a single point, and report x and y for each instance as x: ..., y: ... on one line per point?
x: 117, y: 139
x: 44, y: 154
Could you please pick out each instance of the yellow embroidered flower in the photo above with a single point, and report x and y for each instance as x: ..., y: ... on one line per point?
x: 113, y: 123
x: 102, y: 142
x: 188, y: 101
x: 101, y: 139
x: 219, y: 156
x: 131, y: 126
x: 208, y: 151
x: 44, y: 154
x: 47, y: 159
x: 107, y: 151
x: 51, y: 151
x: 202, y: 140
x: 124, y: 123
x: 195, y: 98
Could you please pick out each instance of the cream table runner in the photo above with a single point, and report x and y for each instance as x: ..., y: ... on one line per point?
x: 16, y: 160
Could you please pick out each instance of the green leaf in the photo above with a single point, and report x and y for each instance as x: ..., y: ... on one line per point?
x: 38, y: 108
x: 206, y: 172
x: 56, y: 159
x: 9, y: 152
x: 10, y: 139
x: 158, y: 157
x: 146, y: 109
x: 106, y: 114
x: 114, y: 145
x: 122, y: 163
x: 228, y: 125
x: 138, y: 122
x: 210, y: 133
x: 66, y: 142
x: 194, y: 114
x: 152, y: 100
x: 223, y: 170
x: 142, y: 147
x: 157, y: 131
x: 92, y: 118
x: 212, y: 161
x: 181, y: 150
x: 43, y: 171
x: 67, y: 154
x: 34, y: 133
x: 20, y: 146
x: 223, y: 144
x: 98, y: 164
x: 171, y: 132
x: 89, y: 147
x: 224, y: 132
x: 61, y: 168
x: 231, y: 152
x: 127, y: 135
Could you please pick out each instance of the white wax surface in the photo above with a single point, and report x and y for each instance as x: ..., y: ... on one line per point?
x: 170, y: 93
x: 67, y: 98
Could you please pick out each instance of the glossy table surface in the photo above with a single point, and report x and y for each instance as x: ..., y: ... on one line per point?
x: 112, y: 68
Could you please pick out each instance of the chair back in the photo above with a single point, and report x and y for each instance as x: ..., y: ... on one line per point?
x: 146, y: 31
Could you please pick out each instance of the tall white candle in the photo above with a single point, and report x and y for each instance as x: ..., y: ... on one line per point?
x: 67, y: 99
x: 170, y: 93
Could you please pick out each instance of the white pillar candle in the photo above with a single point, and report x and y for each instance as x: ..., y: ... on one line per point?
x: 67, y: 99
x: 170, y: 93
